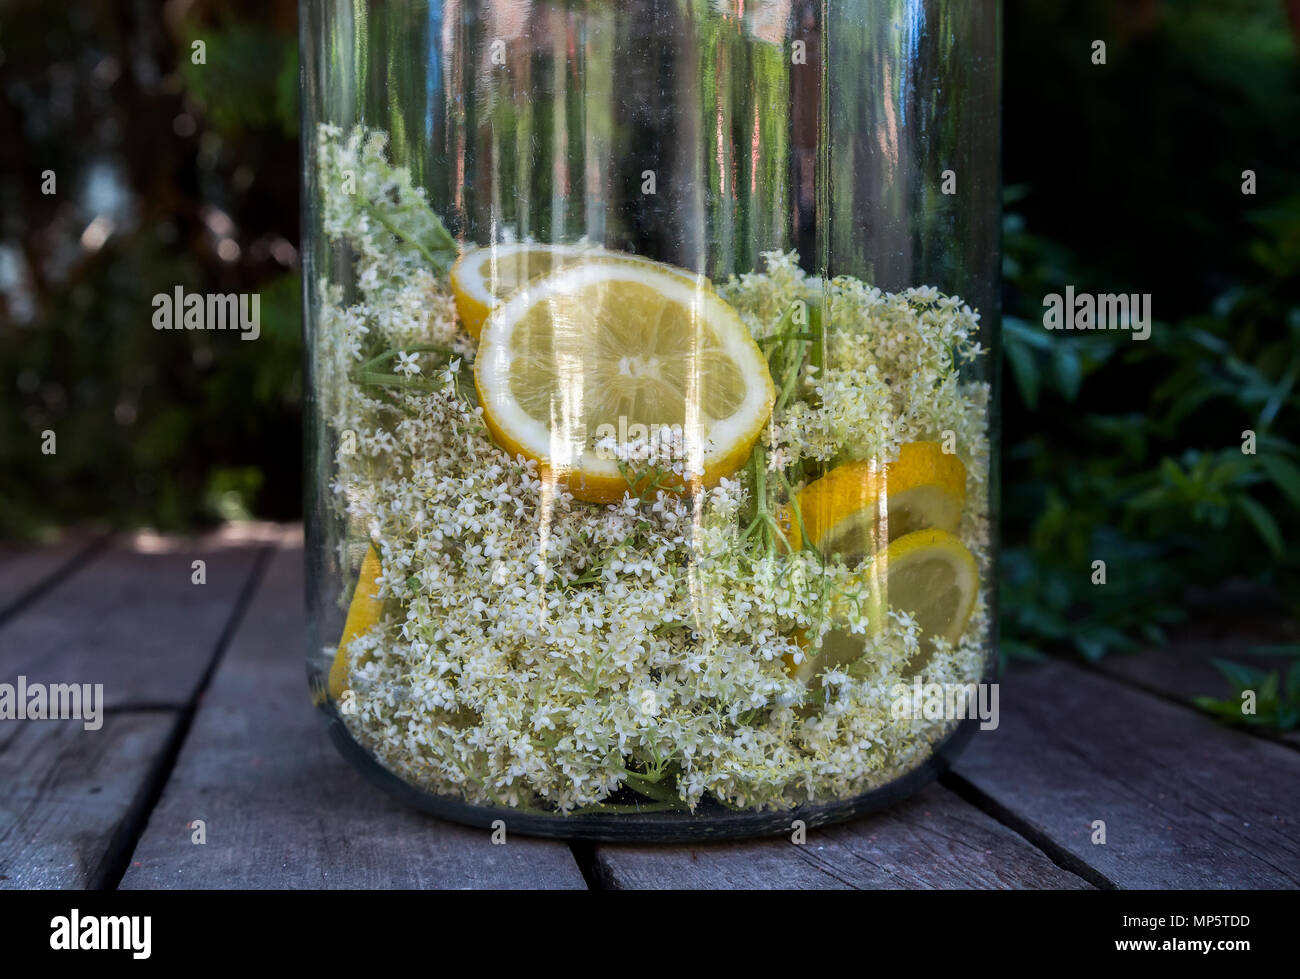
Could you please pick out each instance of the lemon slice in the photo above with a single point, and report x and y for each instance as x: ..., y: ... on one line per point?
x: 482, y: 277
x: 929, y: 574
x: 363, y: 613
x: 627, y: 349
x: 858, y: 508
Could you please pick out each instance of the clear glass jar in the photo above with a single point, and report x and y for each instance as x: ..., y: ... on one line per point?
x: 652, y: 360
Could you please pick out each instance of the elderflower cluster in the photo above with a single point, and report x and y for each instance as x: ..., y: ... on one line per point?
x: 892, y: 372
x: 663, y: 450
x: 544, y: 653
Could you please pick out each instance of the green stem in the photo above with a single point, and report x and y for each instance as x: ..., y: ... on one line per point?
x: 785, y: 338
x: 760, y: 500
x: 817, y: 355
x: 395, y: 381
x: 791, y: 377
x: 416, y: 348
x: 797, y: 511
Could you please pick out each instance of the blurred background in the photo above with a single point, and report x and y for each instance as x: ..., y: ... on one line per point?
x: 1125, y: 177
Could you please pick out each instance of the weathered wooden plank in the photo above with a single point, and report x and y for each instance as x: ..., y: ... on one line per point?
x: 281, y: 807
x: 1181, y: 670
x: 25, y: 570
x: 931, y: 840
x: 133, y: 619
x: 1186, y: 801
x: 70, y: 794
x: 1184, y: 670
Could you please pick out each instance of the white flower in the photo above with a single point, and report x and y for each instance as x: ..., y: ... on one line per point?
x: 407, y: 364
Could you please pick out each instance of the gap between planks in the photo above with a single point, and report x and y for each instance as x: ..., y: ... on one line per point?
x: 1185, y: 800
x: 127, y: 839
x: 50, y: 565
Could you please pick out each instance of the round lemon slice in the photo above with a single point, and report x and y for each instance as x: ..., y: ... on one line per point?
x: 929, y: 574
x: 482, y: 277
x: 363, y: 613
x: 858, y: 508
x: 630, y: 350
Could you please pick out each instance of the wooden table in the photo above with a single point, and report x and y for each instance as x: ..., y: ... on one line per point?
x: 208, y: 718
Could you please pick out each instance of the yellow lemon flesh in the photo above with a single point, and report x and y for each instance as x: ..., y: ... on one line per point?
x: 929, y: 574
x: 363, y: 613
x: 858, y: 508
x: 627, y: 349
x: 482, y: 277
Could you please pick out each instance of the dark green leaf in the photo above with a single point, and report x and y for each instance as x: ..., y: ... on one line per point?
x: 1025, y: 371
x: 1068, y: 371
x: 1263, y: 522
x: 1240, y: 675
x: 1285, y: 475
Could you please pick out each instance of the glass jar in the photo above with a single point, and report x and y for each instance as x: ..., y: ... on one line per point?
x: 652, y: 351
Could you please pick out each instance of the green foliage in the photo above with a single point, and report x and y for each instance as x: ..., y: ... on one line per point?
x: 1276, y: 692
x: 248, y: 79
x: 1137, y: 459
x: 1138, y: 453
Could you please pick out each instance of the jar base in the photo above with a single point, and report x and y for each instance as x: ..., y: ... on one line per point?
x: 709, y: 822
